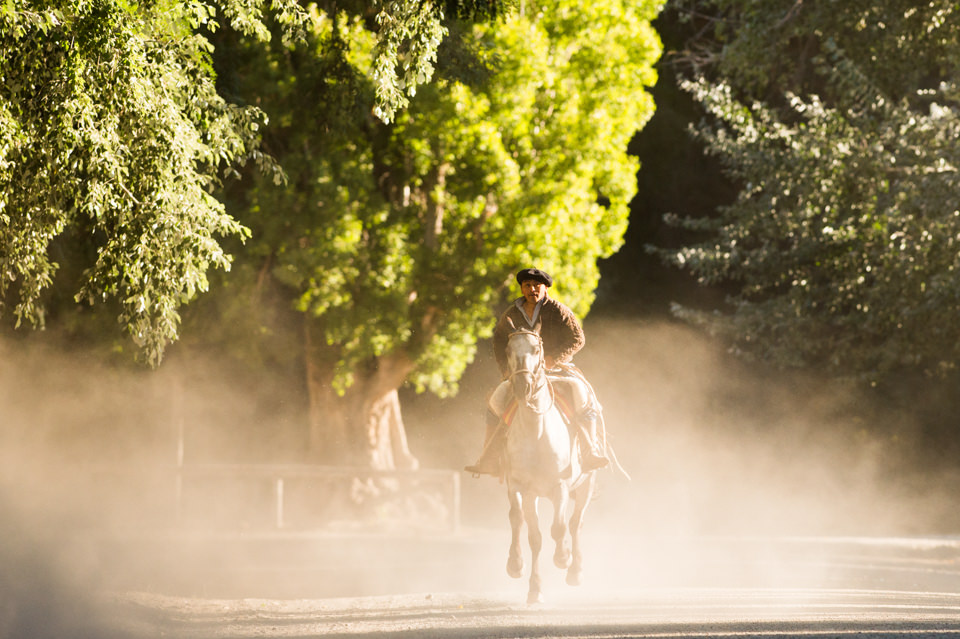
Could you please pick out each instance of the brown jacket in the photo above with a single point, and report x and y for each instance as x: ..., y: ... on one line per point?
x: 561, y: 332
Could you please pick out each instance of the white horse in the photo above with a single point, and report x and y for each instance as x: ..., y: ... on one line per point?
x: 541, y: 462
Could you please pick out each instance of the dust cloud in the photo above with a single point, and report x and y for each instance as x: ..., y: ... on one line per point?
x: 716, y: 447
x: 733, y: 472
x: 88, y: 491
x: 739, y: 474
x: 719, y: 448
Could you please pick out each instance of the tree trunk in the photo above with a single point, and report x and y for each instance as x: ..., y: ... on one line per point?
x: 363, y: 426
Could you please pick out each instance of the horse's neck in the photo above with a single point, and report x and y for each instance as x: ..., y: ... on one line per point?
x: 539, y: 439
x: 543, y: 399
x: 533, y: 414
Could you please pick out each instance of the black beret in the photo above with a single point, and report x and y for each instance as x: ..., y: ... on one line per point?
x: 534, y: 274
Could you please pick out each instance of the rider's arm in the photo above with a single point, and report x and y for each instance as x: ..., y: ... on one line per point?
x: 568, y: 335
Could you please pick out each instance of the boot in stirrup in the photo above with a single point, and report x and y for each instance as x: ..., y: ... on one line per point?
x: 489, y: 462
x: 590, y: 457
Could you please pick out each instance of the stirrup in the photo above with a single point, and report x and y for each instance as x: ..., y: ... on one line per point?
x: 480, y: 469
x: 592, y: 461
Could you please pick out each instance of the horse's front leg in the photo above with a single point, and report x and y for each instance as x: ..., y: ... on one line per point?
x: 581, y: 500
x: 535, y: 594
x: 515, y: 557
x: 560, y: 498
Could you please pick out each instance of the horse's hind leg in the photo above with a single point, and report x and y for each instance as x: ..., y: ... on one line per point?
x: 581, y: 500
x: 561, y: 557
x: 515, y: 557
x: 535, y: 594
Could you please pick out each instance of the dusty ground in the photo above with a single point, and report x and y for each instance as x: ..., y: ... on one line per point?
x: 716, y: 587
x: 662, y: 613
x: 735, y: 480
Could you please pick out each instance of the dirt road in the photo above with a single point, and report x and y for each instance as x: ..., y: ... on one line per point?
x: 667, y: 613
x: 733, y: 587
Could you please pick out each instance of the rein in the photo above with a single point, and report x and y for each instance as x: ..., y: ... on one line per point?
x: 536, y: 374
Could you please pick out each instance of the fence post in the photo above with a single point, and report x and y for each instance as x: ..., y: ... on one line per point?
x: 278, y: 493
x: 455, y: 501
x: 177, y: 404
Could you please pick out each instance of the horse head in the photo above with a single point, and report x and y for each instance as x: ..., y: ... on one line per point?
x: 527, y: 370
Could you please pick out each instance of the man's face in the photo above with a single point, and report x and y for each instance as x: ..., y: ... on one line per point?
x: 533, y: 290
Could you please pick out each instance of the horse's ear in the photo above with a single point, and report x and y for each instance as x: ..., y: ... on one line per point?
x: 513, y: 327
x: 536, y: 327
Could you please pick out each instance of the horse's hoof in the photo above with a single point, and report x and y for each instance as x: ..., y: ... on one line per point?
x: 534, y: 597
x: 515, y: 568
x: 574, y: 577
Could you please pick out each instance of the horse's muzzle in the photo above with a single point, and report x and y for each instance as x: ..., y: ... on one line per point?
x: 523, y: 386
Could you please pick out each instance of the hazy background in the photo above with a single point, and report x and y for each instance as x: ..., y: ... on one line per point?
x: 713, y: 446
x: 717, y: 451
x: 717, y: 447
x: 732, y: 467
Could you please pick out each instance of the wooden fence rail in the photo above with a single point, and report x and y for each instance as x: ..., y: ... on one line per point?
x: 186, y: 480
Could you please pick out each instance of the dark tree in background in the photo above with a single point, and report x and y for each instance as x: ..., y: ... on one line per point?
x: 675, y: 175
x: 838, y: 126
x: 832, y: 229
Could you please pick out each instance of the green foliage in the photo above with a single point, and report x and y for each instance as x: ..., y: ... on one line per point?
x: 114, y: 141
x: 405, y: 56
x: 112, y: 133
x: 399, y: 239
x: 843, y: 241
x: 409, y: 33
x: 763, y: 49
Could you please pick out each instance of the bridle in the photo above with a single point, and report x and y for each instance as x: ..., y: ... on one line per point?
x: 538, y: 374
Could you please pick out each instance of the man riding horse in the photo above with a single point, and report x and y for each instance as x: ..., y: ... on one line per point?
x: 562, y: 337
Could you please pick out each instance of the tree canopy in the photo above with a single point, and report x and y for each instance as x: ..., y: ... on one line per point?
x: 400, y: 239
x: 838, y: 122
x: 114, y: 142
x: 395, y: 241
x: 112, y: 135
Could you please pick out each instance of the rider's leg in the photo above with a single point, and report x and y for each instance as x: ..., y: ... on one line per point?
x: 489, y: 461
x: 592, y: 456
x: 494, y: 438
x: 578, y: 394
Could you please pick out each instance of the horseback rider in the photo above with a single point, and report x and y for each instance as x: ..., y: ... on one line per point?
x: 562, y: 337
